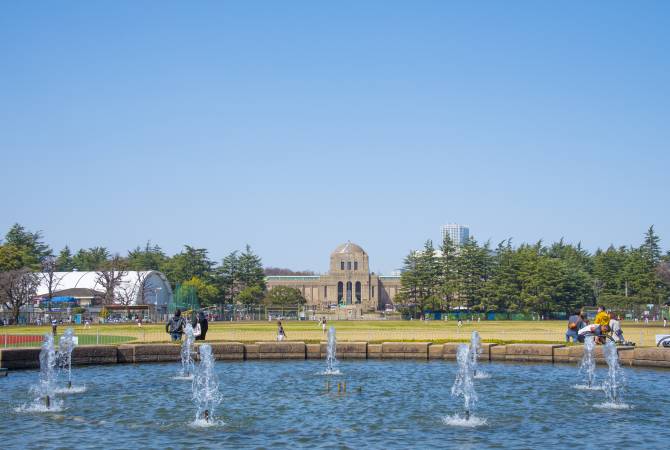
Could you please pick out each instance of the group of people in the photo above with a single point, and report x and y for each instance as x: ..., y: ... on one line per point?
x: 175, y: 327
x: 604, y: 323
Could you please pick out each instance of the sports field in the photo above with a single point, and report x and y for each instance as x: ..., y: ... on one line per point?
x: 371, y: 331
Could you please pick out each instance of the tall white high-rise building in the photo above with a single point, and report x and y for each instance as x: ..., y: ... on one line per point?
x: 459, y: 234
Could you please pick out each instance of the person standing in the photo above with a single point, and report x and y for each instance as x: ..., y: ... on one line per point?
x: 201, y: 326
x: 575, y: 324
x: 324, y: 325
x: 175, y: 326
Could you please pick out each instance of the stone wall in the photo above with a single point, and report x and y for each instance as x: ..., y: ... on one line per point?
x: 28, y: 358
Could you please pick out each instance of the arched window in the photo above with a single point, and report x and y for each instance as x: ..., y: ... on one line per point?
x: 348, y: 292
x: 355, y: 265
x: 340, y: 291
x: 358, y: 292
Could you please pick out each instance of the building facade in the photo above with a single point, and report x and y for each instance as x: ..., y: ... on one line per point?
x: 348, y: 283
x: 459, y: 234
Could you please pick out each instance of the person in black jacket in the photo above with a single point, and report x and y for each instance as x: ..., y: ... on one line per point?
x: 175, y: 326
x: 201, y: 326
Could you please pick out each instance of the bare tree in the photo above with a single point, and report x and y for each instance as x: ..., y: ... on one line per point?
x: 663, y: 272
x: 129, y: 293
x: 49, y: 277
x: 110, y: 276
x: 17, y: 287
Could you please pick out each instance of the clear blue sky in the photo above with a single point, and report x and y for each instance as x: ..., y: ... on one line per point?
x: 295, y: 126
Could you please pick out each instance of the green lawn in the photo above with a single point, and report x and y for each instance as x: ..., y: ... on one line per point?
x: 371, y: 331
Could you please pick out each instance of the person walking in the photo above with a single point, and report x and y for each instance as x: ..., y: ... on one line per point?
x: 281, y: 335
x: 324, y: 325
x: 175, y: 326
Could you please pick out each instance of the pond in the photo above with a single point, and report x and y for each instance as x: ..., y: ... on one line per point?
x: 388, y: 404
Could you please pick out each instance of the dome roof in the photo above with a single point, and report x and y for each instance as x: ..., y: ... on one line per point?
x: 348, y: 248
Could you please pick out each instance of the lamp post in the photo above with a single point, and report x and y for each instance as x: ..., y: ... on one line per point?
x: 156, y: 298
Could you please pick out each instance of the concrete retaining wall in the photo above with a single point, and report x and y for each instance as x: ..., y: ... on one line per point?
x: 282, y: 350
x: 28, y: 358
x: 450, y: 350
x: 530, y: 352
x: 405, y: 350
x: 346, y: 350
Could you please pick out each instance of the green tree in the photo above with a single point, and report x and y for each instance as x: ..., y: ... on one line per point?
x: 284, y: 296
x: 190, y: 262
x: 31, y: 242
x: 651, y: 248
x: 64, y: 261
x: 206, y: 292
x: 448, y: 272
x: 474, y: 267
x: 151, y: 257
x: 409, y: 297
x: 92, y: 259
x: 227, y: 278
x: 15, y: 258
x: 251, y: 296
x: 250, y: 270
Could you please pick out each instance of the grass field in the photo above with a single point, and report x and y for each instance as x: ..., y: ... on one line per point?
x: 371, y: 331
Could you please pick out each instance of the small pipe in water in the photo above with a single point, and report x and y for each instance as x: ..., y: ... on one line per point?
x: 69, y: 384
x: 339, y: 387
x: 360, y: 389
x: 467, y: 414
x: 327, y: 385
x: 47, y: 402
x: 344, y: 387
x: 205, y: 415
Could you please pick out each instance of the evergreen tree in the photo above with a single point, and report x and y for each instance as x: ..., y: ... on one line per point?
x: 90, y: 260
x: 227, y: 278
x: 30, y: 242
x: 151, y: 257
x: 250, y: 270
x: 651, y: 249
x: 64, y: 262
x: 448, y: 272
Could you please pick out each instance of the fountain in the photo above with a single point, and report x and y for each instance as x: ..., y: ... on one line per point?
x: 614, y: 383
x: 475, y: 351
x: 44, y: 391
x: 65, y: 348
x: 205, y: 388
x: 588, y: 364
x: 187, y: 353
x: 464, y: 387
x: 331, y: 359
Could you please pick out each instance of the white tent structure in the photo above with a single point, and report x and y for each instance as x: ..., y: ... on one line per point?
x: 135, y: 288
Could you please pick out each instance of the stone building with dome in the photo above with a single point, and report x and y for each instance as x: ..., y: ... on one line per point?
x: 348, y: 283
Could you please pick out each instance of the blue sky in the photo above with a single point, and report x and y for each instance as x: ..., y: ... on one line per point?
x: 295, y: 126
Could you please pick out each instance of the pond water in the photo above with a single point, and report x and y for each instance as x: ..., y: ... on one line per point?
x: 402, y: 404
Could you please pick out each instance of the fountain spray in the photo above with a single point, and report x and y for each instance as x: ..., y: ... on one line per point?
x: 475, y: 351
x: 588, y: 363
x: 205, y: 388
x: 331, y: 359
x: 615, y: 381
x: 187, y: 351
x: 65, y: 348
x: 45, y: 388
x: 464, y: 385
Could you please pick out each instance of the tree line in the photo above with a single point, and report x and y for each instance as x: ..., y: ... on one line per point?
x: 533, y: 278
x: 26, y: 261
